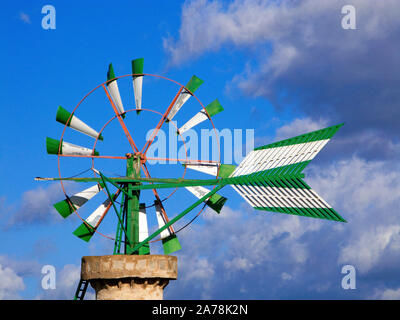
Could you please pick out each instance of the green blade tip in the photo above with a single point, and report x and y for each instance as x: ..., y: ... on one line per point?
x: 194, y: 83
x: 110, y: 73
x: 64, y: 208
x: 85, y: 232
x: 216, y: 202
x: 214, y: 108
x: 171, y: 244
x: 52, y: 145
x: 63, y: 116
x: 137, y: 66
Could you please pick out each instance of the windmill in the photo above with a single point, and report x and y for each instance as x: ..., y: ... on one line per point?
x: 269, y: 178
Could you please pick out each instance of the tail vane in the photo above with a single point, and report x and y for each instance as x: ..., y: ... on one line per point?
x: 270, y: 178
x: 286, y: 155
x: 291, y: 196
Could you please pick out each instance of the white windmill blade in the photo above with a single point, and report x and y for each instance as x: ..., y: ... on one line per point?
x: 216, y: 201
x: 137, y: 78
x: 86, y: 230
x: 225, y: 170
x: 65, y: 117
x: 66, y: 148
x: 207, y: 168
x: 112, y: 86
x: 143, y: 229
x: 69, y: 205
x: 169, y: 240
x: 211, y: 110
x: 193, y: 84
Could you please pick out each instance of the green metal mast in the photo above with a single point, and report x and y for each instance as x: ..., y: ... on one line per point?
x: 132, y: 207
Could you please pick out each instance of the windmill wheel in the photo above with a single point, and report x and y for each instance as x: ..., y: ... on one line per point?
x: 124, y: 196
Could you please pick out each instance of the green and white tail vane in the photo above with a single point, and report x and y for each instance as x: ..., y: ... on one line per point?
x: 270, y: 178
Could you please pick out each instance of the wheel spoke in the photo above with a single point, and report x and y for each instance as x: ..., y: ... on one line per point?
x: 121, y: 121
x: 160, y: 123
x: 147, y: 174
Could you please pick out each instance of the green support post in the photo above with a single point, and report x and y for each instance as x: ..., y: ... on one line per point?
x: 132, y: 205
x: 120, y: 227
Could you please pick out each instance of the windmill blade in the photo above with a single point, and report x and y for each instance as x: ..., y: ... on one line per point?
x: 270, y: 178
x: 143, y: 229
x: 69, y: 205
x: 212, y: 109
x: 87, y: 229
x: 207, y: 168
x: 52, y: 146
x: 169, y: 239
x: 137, y: 71
x: 112, y: 86
x: 65, y: 117
x: 193, y: 84
x: 215, y: 202
x: 225, y: 170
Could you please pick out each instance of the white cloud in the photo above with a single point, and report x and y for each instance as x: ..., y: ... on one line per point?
x: 36, y: 206
x: 299, y: 126
x: 367, y: 250
x: 288, y: 25
x: 25, y: 18
x: 365, y: 193
x: 286, y: 276
x: 388, y: 294
x: 298, y: 54
x: 10, y: 283
x: 359, y: 187
x: 24, y: 268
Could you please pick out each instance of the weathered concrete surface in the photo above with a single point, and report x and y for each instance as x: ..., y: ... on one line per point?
x: 129, y: 277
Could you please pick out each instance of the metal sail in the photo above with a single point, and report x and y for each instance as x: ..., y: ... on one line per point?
x: 65, y: 117
x: 112, y: 86
x: 137, y: 79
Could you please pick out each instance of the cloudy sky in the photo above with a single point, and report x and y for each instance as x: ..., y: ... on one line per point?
x: 280, y: 68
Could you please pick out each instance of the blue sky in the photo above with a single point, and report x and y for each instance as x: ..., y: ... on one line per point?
x: 281, y: 68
